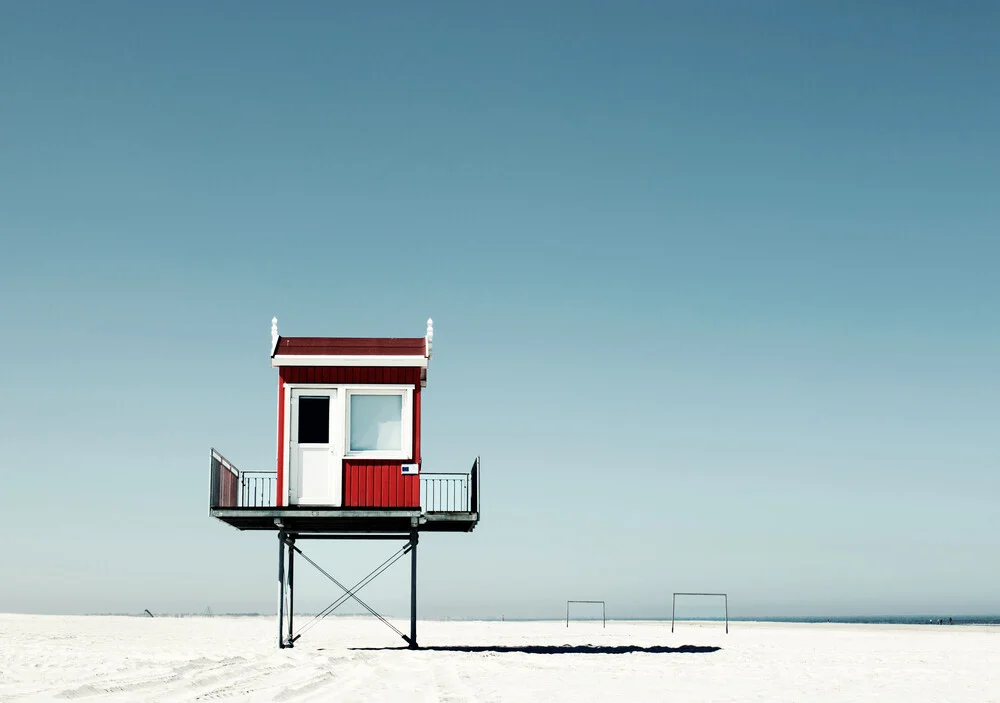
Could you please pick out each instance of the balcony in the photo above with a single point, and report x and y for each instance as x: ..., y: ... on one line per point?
x: 449, y: 502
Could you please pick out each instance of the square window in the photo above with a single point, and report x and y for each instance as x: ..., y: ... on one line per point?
x: 376, y: 422
x: 314, y: 420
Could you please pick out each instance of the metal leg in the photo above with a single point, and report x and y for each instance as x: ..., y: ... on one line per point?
x: 281, y: 590
x: 289, y: 642
x: 413, y: 591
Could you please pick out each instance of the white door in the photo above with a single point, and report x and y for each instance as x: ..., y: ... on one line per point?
x: 316, y: 449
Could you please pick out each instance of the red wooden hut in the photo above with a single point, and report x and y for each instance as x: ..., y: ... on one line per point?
x: 348, y: 454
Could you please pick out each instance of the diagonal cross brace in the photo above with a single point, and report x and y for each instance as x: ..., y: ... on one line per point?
x: 375, y: 573
x: 349, y: 593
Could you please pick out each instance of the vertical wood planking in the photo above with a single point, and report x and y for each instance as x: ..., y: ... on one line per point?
x: 359, y: 497
x: 362, y: 477
x: 350, y: 374
x: 350, y: 481
x: 387, y: 479
x: 349, y: 484
x: 410, y: 485
x: 391, y: 474
x: 379, y: 484
x: 369, y: 498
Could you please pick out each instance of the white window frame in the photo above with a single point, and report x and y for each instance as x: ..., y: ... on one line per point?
x: 406, y: 427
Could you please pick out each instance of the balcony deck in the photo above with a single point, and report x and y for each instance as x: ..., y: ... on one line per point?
x: 246, y: 500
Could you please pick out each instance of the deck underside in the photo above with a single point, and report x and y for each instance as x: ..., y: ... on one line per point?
x: 345, y: 520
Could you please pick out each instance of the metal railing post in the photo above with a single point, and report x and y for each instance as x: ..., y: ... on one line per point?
x: 213, y: 487
x: 474, y: 498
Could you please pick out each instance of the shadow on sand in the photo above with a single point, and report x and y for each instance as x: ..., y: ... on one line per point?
x: 558, y: 649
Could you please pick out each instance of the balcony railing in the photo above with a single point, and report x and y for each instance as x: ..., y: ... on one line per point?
x: 450, y: 492
x: 258, y: 489
x: 439, y: 492
x: 232, y: 488
x: 444, y: 492
x: 224, y: 489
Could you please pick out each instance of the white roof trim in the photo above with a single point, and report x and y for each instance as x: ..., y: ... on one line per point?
x: 274, y: 335
x: 338, y: 360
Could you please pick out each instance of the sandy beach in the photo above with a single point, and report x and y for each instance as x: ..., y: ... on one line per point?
x: 100, y: 658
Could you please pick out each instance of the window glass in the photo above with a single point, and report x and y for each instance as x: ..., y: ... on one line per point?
x: 314, y: 420
x: 376, y: 422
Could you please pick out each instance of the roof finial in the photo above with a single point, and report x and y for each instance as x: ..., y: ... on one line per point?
x: 430, y: 336
x: 274, y: 334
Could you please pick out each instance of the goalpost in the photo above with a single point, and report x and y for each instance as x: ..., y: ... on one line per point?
x: 604, y: 613
x: 673, y: 607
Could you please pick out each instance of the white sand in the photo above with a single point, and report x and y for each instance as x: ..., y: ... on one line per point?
x: 188, y: 659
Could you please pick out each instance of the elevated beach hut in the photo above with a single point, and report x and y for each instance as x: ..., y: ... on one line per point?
x: 348, y: 457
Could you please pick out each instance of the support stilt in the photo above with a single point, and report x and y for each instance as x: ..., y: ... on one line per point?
x: 281, y: 590
x: 289, y: 640
x: 286, y: 583
x: 413, y: 591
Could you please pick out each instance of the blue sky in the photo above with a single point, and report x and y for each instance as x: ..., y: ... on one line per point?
x: 715, y: 293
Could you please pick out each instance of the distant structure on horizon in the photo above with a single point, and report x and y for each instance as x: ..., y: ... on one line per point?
x: 348, y: 462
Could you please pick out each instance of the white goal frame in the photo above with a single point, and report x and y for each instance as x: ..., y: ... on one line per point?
x: 604, y: 610
x: 673, y: 607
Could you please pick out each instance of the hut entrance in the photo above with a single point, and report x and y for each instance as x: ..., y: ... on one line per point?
x: 316, y: 449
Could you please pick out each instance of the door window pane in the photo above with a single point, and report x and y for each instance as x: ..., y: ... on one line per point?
x: 314, y: 420
x: 376, y: 422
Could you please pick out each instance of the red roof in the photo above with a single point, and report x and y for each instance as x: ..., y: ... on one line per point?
x: 351, y: 346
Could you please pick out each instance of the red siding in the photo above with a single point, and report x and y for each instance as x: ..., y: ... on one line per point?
x: 349, y: 374
x: 379, y: 484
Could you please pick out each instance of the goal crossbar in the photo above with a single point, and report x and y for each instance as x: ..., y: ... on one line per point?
x: 604, y: 611
x: 673, y: 606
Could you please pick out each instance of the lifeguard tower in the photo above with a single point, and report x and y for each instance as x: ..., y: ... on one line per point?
x: 348, y: 461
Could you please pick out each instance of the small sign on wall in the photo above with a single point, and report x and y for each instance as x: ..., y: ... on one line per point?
x: 411, y: 469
